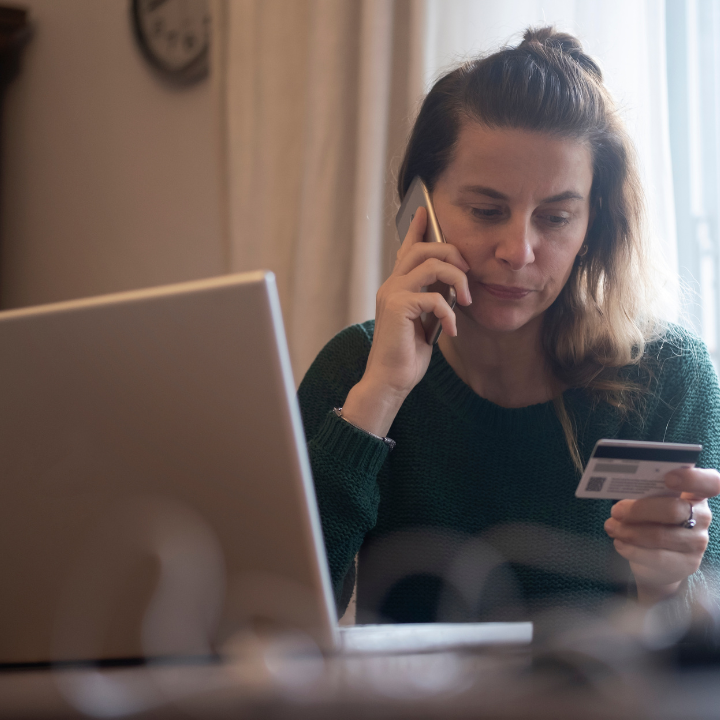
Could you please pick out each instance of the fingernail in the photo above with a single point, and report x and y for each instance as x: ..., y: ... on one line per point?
x: 618, y: 511
x: 673, y: 481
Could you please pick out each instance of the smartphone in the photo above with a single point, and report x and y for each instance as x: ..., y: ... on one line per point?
x: 620, y: 469
x: 418, y: 196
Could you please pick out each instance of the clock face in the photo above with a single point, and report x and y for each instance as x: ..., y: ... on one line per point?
x: 174, y: 36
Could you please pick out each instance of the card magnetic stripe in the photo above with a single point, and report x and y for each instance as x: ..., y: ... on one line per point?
x: 672, y: 455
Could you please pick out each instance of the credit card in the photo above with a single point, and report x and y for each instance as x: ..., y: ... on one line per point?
x: 621, y: 469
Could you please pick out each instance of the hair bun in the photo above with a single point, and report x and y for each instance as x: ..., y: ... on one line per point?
x: 562, y: 43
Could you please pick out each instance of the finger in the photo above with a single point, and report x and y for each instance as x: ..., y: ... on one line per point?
x: 419, y: 252
x: 416, y: 303
x: 661, y: 537
x: 433, y: 270
x: 699, y: 483
x: 663, y: 510
x: 658, y: 566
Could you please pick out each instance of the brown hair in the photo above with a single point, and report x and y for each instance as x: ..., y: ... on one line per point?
x: 601, y: 320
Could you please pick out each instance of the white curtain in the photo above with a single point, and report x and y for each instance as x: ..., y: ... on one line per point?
x: 320, y: 94
x: 693, y: 36
x: 628, y: 39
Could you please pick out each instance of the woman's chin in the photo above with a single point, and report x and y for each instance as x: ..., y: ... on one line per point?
x: 497, y: 321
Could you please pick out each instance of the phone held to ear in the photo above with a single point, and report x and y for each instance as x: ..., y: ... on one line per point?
x: 418, y: 196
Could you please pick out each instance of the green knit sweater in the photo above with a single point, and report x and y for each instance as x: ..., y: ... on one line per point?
x: 473, y: 515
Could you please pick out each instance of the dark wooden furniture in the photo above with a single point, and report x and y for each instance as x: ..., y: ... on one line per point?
x: 15, y: 30
x: 14, y: 34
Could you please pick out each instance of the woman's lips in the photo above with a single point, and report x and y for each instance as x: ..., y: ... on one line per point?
x: 506, y: 292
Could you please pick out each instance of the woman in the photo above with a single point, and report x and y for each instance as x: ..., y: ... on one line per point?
x: 552, y: 346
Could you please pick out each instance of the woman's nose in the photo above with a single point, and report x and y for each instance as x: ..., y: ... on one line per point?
x: 515, y: 245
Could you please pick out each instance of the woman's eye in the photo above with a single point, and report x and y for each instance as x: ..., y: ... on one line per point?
x: 486, y: 213
x: 556, y: 220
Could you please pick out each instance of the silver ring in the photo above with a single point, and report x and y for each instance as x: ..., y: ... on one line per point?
x: 690, y: 522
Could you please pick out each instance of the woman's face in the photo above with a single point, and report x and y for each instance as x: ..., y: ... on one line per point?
x: 517, y: 206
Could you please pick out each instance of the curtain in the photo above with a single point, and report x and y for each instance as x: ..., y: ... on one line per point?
x: 320, y: 97
x: 693, y: 39
x: 628, y: 39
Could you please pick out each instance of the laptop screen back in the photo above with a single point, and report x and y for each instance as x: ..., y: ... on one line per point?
x: 156, y: 493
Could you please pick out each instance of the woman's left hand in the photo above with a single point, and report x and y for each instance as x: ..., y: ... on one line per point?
x: 650, y: 532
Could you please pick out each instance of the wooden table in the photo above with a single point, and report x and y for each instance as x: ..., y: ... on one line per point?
x: 266, y: 683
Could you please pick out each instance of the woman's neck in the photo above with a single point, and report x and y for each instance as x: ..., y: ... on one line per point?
x: 508, y: 369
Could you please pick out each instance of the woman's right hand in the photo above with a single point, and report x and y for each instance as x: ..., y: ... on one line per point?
x: 400, y: 355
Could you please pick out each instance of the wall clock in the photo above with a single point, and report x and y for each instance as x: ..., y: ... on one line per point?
x: 174, y: 36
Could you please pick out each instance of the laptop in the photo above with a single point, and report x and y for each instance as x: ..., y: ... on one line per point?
x: 157, y: 498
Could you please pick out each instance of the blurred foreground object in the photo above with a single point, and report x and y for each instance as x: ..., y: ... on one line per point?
x: 598, y: 667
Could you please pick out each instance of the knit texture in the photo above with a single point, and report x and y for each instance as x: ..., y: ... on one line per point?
x: 473, y: 516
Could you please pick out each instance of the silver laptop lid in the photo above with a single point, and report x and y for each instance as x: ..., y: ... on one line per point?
x: 156, y: 492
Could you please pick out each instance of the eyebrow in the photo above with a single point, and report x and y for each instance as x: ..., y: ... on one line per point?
x: 489, y: 192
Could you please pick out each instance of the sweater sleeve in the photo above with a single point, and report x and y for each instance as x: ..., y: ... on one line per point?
x: 690, y: 412
x: 345, y: 461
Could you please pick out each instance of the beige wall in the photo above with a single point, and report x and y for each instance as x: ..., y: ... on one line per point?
x: 112, y: 179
